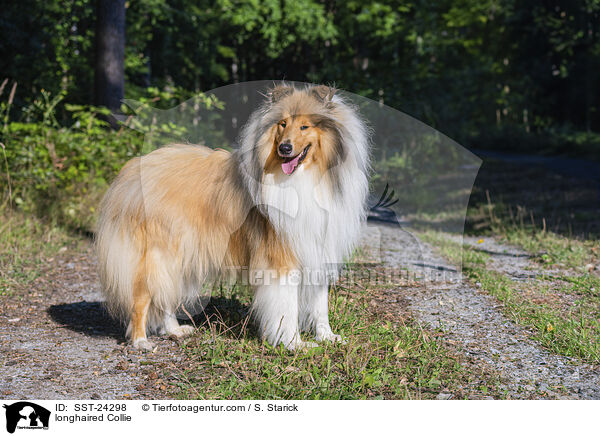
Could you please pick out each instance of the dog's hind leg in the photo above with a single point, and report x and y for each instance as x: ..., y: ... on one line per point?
x: 142, y: 300
x: 166, y: 287
x: 171, y: 326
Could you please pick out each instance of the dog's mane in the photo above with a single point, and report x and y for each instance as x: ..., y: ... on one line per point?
x: 330, y: 112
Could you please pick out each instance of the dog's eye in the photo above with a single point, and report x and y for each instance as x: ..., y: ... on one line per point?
x: 282, y: 124
x: 303, y: 127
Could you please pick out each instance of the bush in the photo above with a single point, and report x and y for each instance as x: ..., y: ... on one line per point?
x: 61, y: 172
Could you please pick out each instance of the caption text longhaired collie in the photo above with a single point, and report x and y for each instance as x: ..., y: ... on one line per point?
x: 287, y: 205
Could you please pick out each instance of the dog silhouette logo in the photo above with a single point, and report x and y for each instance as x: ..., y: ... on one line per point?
x: 26, y: 415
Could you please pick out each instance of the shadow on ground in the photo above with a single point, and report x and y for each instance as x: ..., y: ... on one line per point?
x: 228, y: 315
x: 92, y: 319
x: 89, y: 318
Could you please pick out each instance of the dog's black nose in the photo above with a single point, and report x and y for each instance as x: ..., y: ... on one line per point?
x: 285, y: 148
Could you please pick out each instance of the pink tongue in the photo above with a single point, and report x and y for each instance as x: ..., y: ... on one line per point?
x: 289, y: 167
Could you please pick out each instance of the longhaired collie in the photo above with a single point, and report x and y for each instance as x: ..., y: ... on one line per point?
x: 287, y: 205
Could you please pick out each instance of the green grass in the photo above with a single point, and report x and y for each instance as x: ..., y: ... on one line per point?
x: 553, y: 250
x: 568, y: 330
x: 522, y: 229
x: 381, y: 359
x: 563, y: 312
x: 26, y: 245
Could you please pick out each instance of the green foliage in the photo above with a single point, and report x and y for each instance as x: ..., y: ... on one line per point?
x: 173, y: 115
x: 60, y: 172
x: 48, y: 45
x: 276, y: 26
x: 490, y: 74
x: 462, y: 66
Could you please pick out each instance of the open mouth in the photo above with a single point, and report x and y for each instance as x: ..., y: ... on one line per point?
x: 290, y: 164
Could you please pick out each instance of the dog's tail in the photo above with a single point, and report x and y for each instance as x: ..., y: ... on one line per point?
x: 116, y: 249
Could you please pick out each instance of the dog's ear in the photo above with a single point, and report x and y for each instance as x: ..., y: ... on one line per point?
x: 323, y: 93
x: 279, y: 92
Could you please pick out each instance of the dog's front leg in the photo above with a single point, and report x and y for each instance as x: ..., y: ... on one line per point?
x: 275, y: 307
x: 314, y: 312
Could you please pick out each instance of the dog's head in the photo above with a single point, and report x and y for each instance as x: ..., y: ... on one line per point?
x: 303, y: 130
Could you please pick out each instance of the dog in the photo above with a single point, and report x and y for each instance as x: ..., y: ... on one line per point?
x: 287, y: 204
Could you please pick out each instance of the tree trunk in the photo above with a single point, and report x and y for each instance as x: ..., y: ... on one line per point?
x: 109, y: 86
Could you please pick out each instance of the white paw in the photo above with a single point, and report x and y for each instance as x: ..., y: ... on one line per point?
x: 182, y: 331
x: 143, y: 344
x: 329, y: 336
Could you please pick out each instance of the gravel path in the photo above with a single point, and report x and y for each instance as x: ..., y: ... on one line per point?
x: 58, y: 343
x: 473, y: 322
